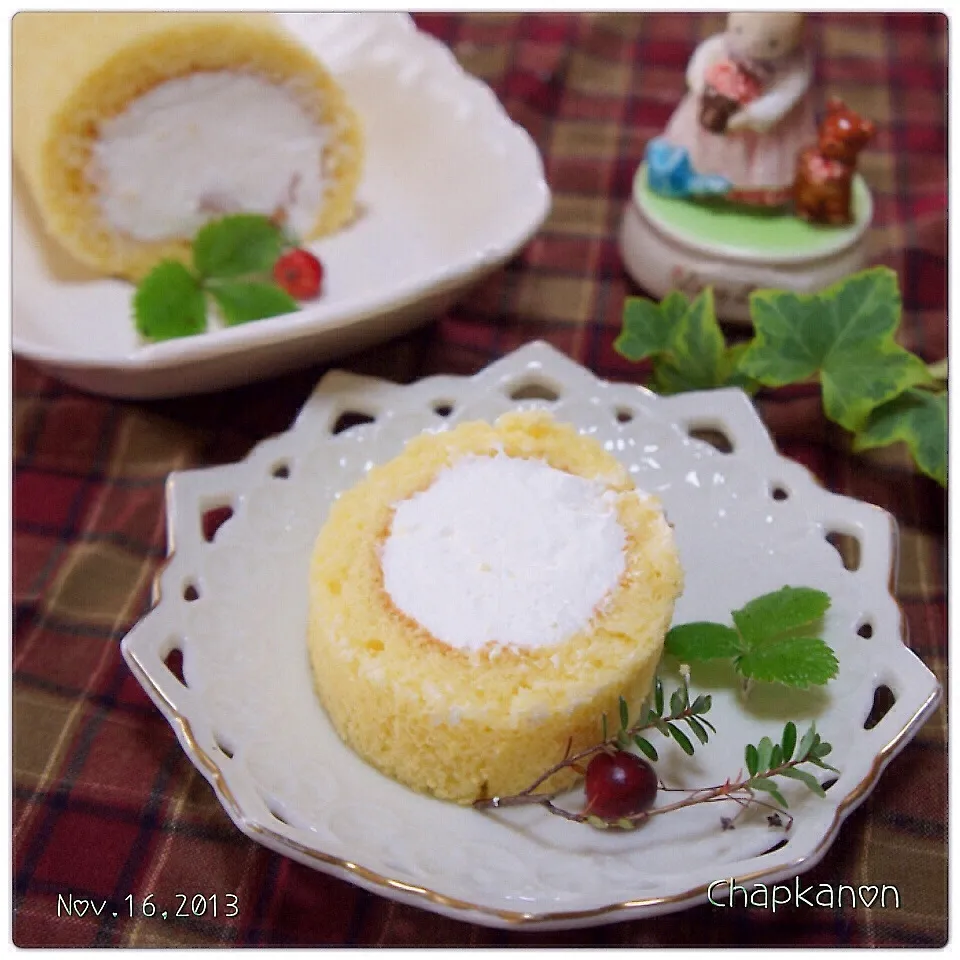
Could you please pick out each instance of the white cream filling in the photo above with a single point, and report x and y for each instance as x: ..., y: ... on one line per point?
x: 205, y: 145
x: 505, y: 551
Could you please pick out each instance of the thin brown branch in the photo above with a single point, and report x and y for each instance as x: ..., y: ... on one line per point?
x: 738, y: 791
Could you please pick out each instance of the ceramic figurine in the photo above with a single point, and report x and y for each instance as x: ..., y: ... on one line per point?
x: 740, y: 192
x: 746, y: 115
x: 824, y: 181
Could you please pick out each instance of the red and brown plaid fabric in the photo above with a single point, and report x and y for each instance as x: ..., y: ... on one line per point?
x: 105, y: 805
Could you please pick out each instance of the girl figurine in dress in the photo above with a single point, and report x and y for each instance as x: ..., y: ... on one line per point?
x: 747, y: 115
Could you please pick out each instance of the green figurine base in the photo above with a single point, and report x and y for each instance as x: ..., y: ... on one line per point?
x: 678, y: 244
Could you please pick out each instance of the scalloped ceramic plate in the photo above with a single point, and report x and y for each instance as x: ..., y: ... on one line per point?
x: 451, y: 189
x: 248, y: 718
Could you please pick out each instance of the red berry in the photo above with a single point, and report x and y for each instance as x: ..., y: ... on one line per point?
x: 300, y: 273
x: 618, y: 785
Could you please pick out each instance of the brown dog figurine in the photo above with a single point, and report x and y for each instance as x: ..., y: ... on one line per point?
x: 822, y: 189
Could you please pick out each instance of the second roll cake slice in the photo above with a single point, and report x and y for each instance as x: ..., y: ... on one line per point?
x: 485, y: 597
x: 134, y: 129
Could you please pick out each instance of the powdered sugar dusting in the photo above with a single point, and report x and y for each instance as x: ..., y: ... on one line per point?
x: 505, y: 551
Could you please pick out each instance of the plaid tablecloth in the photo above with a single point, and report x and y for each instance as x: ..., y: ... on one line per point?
x: 106, y: 806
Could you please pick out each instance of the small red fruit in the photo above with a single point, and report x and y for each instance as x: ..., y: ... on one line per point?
x: 300, y: 273
x: 618, y: 785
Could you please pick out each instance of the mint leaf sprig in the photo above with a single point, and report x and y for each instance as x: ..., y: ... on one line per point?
x: 772, y: 639
x: 237, y: 246
x: 232, y: 262
x: 842, y: 338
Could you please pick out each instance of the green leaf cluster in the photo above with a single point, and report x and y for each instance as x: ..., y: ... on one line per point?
x: 684, y: 342
x: 767, y: 760
x: 919, y: 419
x: 682, y: 710
x: 773, y: 638
x: 842, y: 337
x: 232, y: 262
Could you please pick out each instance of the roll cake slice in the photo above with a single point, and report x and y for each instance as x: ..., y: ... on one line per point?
x: 477, y: 603
x: 134, y: 129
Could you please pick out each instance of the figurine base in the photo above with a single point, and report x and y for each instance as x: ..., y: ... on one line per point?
x: 676, y: 244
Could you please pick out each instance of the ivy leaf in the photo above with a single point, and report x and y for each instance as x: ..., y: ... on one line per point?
x: 169, y: 302
x: 236, y: 246
x: 919, y: 419
x: 649, y: 327
x: 696, y: 354
x: 242, y: 302
x: 730, y: 373
x: 844, y: 335
x: 685, y: 342
x: 793, y: 661
x: 702, y: 641
x: 788, y: 608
